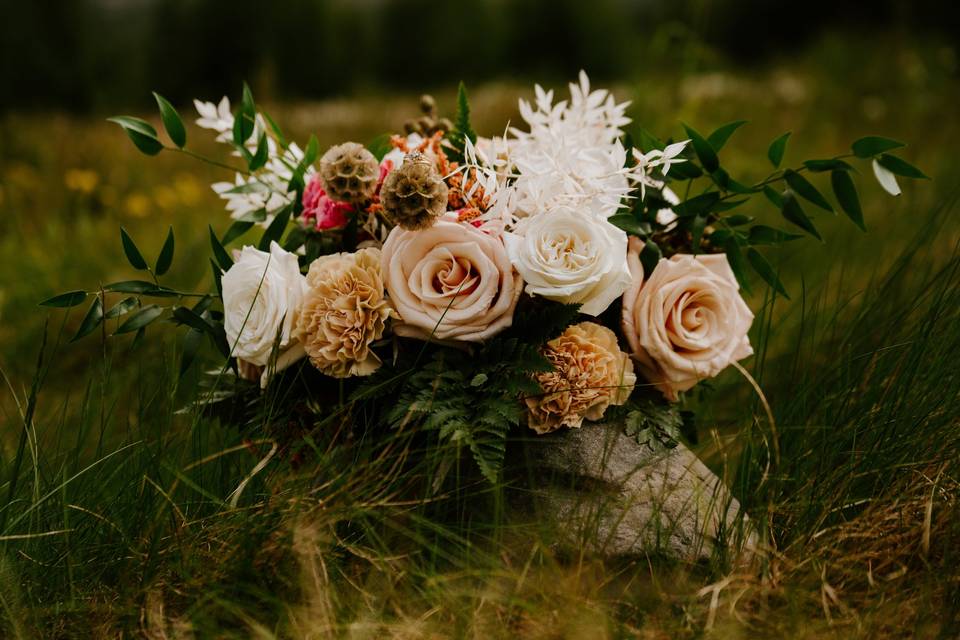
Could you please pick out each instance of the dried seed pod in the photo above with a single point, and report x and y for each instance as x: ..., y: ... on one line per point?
x: 412, y: 126
x: 414, y: 195
x: 426, y: 124
x: 444, y: 124
x: 349, y: 173
x: 428, y: 105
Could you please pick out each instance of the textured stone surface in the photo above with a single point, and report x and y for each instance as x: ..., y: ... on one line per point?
x: 602, y: 491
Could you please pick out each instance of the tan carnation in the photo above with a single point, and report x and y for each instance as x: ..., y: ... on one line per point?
x: 344, y: 310
x: 590, y: 374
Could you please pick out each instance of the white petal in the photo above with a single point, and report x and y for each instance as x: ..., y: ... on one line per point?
x: 223, y: 109
x: 674, y: 149
x: 886, y: 179
x: 205, y: 109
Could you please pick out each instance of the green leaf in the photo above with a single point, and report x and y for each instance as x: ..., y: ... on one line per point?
x: 275, y: 231
x: 91, y: 320
x: 184, y: 315
x: 773, y: 196
x: 818, y: 166
x: 846, y: 193
x: 803, y: 187
x: 134, y: 257
x: 259, y: 158
x: 236, y: 230
x: 276, y: 129
x: 171, y: 121
x: 646, y: 141
x: 697, y: 205
x: 223, y: 258
x: 462, y: 128
x: 121, y: 308
x: 719, y: 236
x: 312, y: 150
x: 217, y: 276
x: 630, y: 224
x: 870, y: 146
x: 901, y: 167
x: 139, y: 286
x: 737, y: 264
x: 137, y: 339
x: 719, y: 137
x: 794, y: 213
x: 650, y: 257
x: 140, y: 319
x: 705, y: 152
x: 738, y: 220
x: 763, y: 268
x: 141, y: 132
x: 727, y: 205
x: 165, y: 259
x: 777, y: 148
x: 653, y: 424
x: 697, y: 225
x: 762, y: 234
x: 64, y: 300
x: 685, y: 171
x: 191, y: 345
x: 244, y: 118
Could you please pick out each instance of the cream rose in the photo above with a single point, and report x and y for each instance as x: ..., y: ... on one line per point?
x: 589, y: 374
x: 450, y: 281
x: 343, y: 311
x: 571, y: 257
x: 687, y: 322
x: 262, y: 293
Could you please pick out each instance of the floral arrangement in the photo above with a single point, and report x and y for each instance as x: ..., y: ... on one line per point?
x: 548, y: 277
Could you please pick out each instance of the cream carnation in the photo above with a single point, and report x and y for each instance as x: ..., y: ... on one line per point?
x: 570, y: 257
x: 262, y: 293
x: 687, y: 322
x: 450, y: 281
x: 590, y: 374
x: 344, y: 310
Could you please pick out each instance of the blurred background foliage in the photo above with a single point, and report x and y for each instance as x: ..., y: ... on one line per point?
x: 87, y: 55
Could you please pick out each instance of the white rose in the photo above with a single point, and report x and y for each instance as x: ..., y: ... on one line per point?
x: 570, y: 257
x: 450, y: 281
x: 262, y: 293
x: 687, y: 322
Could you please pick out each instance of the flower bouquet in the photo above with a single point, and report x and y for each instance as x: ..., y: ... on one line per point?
x: 573, y: 269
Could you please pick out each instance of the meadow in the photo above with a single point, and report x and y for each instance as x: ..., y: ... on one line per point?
x: 127, y: 511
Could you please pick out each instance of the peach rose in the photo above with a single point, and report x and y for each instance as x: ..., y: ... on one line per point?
x: 344, y: 309
x: 590, y: 373
x: 687, y: 322
x: 450, y: 281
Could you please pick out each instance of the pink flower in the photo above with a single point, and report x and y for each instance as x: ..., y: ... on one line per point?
x: 321, y: 210
x: 385, y: 167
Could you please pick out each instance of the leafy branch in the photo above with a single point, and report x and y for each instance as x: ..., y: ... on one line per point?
x: 706, y: 221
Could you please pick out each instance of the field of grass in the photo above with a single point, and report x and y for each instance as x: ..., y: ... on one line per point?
x: 123, y: 515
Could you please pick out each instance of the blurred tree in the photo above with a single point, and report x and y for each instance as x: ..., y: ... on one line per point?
x: 109, y: 54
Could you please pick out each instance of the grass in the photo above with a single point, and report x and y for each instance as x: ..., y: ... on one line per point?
x: 121, y: 515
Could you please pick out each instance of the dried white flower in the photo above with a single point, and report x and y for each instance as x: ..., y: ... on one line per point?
x: 266, y: 189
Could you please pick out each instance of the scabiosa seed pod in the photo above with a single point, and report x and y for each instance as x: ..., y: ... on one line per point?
x: 428, y: 105
x: 414, y: 195
x: 349, y: 173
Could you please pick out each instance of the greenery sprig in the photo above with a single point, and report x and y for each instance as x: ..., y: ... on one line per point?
x: 706, y: 218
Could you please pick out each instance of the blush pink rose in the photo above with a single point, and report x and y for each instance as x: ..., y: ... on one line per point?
x: 321, y: 210
x: 450, y: 282
x: 686, y: 322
